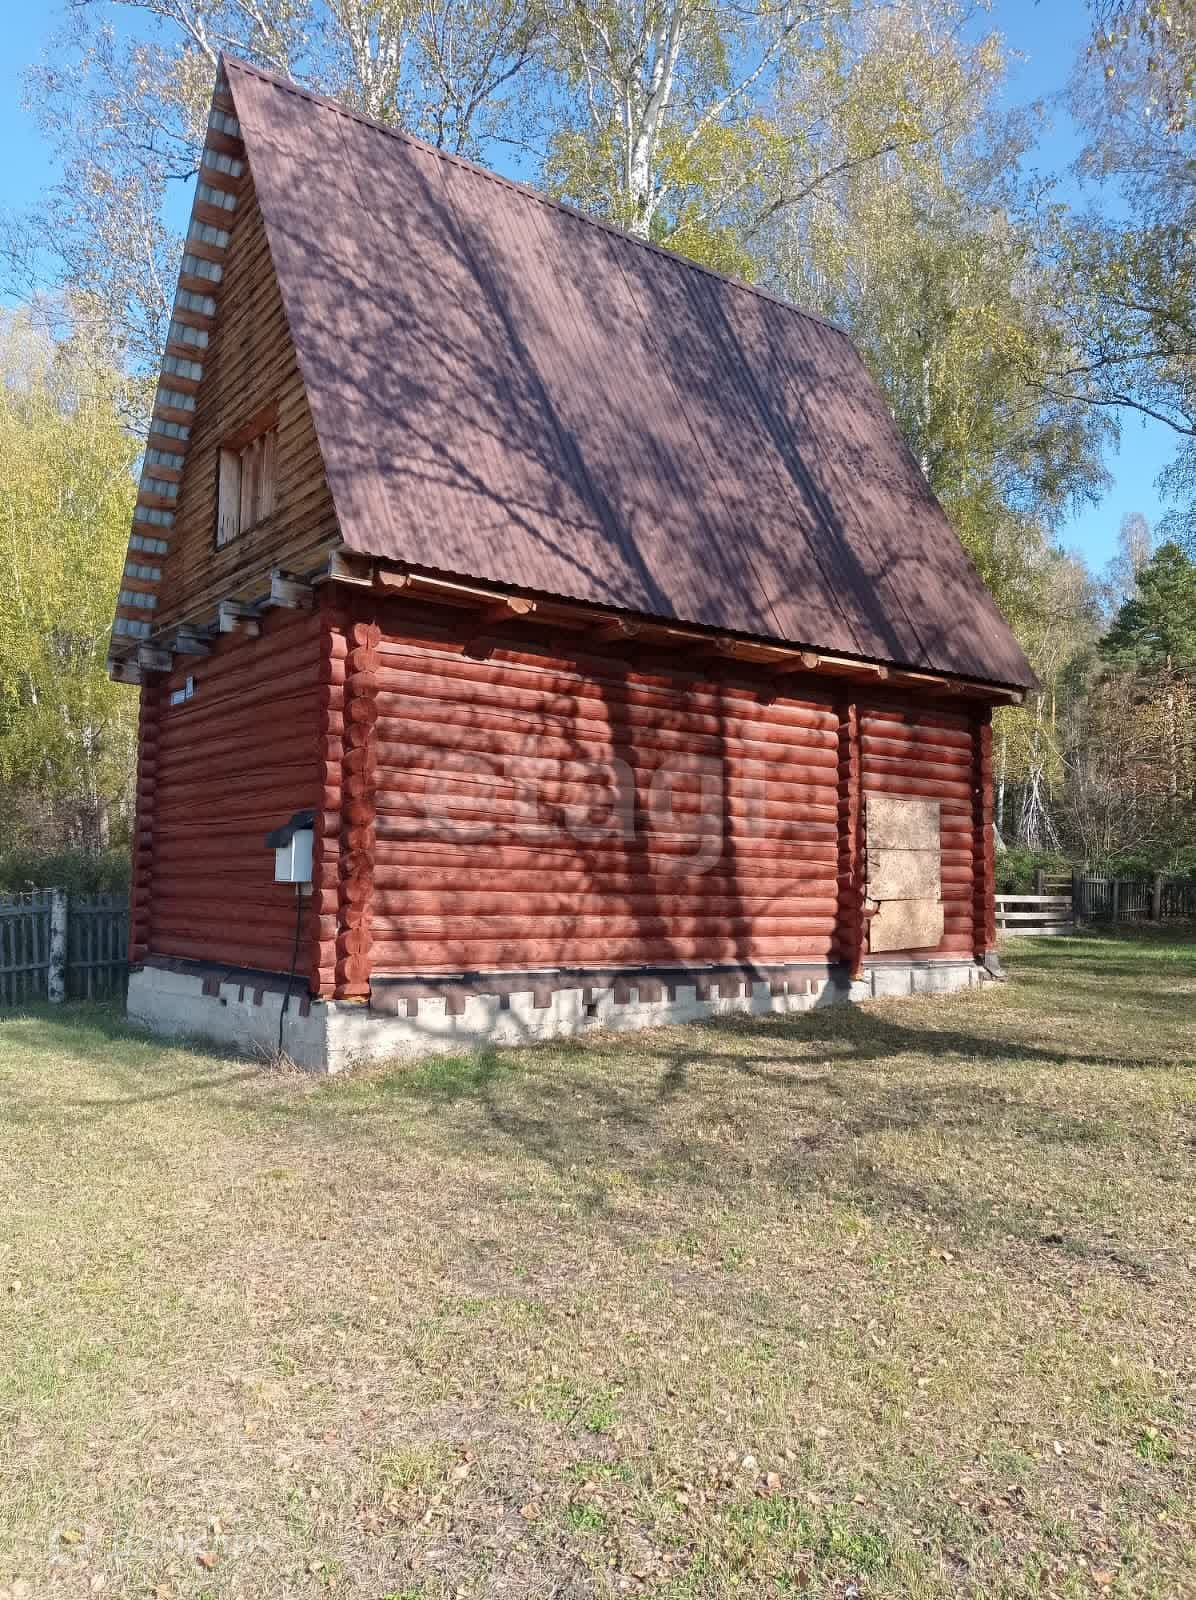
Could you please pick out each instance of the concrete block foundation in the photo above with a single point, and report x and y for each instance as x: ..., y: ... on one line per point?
x: 413, y: 1018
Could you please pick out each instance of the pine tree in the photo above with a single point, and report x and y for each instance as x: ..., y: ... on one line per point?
x: 1157, y: 627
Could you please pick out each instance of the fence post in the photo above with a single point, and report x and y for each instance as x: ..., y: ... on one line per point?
x: 1077, y: 896
x: 56, y: 970
x: 1156, y: 898
x: 1114, y: 899
x: 1040, y: 880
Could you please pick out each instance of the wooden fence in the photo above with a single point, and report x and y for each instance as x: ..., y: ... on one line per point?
x: 1060, y: 904
x: 1157, y: 899
x: 55, y: 946
x: 1023, y: 914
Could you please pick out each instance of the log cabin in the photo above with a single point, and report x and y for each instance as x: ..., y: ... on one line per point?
x: 535, y: 631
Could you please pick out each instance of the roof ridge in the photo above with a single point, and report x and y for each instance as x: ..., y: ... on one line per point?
x: 525, y: 190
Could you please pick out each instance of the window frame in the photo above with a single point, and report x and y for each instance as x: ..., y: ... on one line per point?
x: 247, y: 504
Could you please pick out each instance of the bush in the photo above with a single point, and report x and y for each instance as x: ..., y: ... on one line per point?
x: 1015, y: 868
x: 1171, y: 863
x: 77, y: 871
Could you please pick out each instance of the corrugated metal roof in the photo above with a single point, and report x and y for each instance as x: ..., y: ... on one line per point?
x: 506, y: 390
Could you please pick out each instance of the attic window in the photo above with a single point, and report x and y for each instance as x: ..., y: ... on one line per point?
x: 246, y: 489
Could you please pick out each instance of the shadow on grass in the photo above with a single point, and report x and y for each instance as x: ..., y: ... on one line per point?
x: 817, y: 1132
x: 133, y: 1067
x: 802, y: 1102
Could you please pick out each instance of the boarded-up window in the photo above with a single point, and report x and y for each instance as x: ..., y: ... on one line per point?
x: 246, y: 490
x: 904, y: 874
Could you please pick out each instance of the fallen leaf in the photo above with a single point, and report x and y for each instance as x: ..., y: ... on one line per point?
x: 206, y: 1559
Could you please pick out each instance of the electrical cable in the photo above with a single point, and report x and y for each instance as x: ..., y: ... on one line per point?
x: 294, y: 961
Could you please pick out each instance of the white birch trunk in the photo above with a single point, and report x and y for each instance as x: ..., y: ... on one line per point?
x: 56, y: 971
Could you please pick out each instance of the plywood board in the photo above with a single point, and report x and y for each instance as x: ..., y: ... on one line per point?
x: 904, y: 874
x: 902, y: 824
x: 906, y: 925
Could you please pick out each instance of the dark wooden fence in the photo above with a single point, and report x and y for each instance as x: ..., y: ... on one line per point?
x: 24, y: 946
x: 55, y: 946
x: 1179, y: 898
x: 1098, y: 898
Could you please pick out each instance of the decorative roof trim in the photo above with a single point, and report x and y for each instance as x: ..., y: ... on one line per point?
x: 222, y: 181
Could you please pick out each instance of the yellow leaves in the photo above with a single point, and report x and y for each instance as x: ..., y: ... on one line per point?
x: 66, y: 492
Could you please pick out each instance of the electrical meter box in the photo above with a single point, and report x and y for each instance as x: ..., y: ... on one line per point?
x: 292, y: 861
x: 292, y: 844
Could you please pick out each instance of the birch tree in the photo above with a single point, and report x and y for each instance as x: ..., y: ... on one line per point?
x: 702, y: 124
x: 1125, y: 279
x: 654, y: 94
x: 66, y: 494
x: 929, y: 256
x: 125, y: 113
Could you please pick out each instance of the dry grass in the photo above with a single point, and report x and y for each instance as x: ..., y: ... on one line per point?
x: 897, y: 1302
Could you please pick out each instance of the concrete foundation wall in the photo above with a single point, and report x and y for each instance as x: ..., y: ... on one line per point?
x: 329, y: 1036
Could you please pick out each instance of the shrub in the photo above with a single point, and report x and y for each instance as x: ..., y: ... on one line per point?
x: 1015, y: 868
x: 77, y: 871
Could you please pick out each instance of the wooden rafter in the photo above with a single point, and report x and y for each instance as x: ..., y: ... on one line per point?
x: 290, y: 591
x: 587, y: 626
x: 235, y: 616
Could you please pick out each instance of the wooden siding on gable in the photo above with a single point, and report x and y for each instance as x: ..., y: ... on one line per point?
x: 249, y: 365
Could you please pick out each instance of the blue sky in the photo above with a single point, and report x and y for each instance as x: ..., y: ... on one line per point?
x: 1046, y: 33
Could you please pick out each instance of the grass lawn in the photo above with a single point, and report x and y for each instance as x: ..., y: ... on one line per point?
x: 890, y: 1302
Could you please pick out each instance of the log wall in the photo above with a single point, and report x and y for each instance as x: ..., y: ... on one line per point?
x: 231, y: 763
x: 917, y: 754
x: 532, y: 811
x: 511, y: 809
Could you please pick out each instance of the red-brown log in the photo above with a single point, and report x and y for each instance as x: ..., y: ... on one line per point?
x: 794, y: 880
x: 660, y: 731
x: 595, y: 682
x: 723, y: 910
x: 451, y: 956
